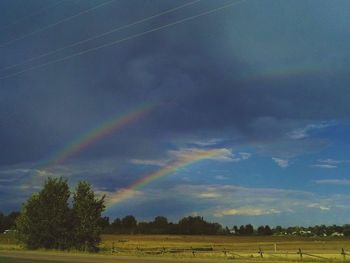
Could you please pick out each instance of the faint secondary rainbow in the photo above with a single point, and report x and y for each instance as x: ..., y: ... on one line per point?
x: 96, y: 134
x: 92, y: 136
x: 129, y: 191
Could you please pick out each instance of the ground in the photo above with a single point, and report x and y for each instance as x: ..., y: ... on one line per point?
x: 167, y: 248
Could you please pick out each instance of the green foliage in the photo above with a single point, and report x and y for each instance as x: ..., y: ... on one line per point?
x: 87, y: 211
x: 7, y: 222
x: 128, y: 224
x: 46, y: 220
x: 264, y: 230
x: 347, y: 232
x: 197, y: 226
x: 246, y: 230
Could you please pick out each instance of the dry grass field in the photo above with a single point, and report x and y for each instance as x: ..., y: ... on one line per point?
x: 228, y: 247
x: 215, y: 247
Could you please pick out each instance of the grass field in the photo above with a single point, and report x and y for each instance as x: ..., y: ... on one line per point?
x: 213, y: 247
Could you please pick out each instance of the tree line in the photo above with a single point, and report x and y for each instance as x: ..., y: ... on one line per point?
x: 196, y: 225
x: 191, y: 225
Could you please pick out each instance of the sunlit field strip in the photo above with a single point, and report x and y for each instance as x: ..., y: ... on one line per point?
x: 211, y: 247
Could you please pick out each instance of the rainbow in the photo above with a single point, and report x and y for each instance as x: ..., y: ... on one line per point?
x: 90, y: 137
x: 96, y: 134
x: 186, y: 160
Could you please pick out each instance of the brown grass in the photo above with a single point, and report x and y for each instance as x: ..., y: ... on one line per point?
x: 215, y: 247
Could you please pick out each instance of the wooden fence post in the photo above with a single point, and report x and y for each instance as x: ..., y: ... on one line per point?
x: 261, y: 252
x: 343, y: 253
x: 301, y: 254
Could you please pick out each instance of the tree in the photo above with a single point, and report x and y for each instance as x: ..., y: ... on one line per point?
x: 196, y: 225
x: 116, y: 226
x: 104, y: 224
x: 346, y: 232
x: 241, y: 230
x: 267, y: 231
x: 2, y: 219
x: 160, y: 225
x: 261, y: 230
x: 87, y: 211
x: 47, y: 221
x: 129, y: 224
x: 45, y: 217
x: 160, y: 221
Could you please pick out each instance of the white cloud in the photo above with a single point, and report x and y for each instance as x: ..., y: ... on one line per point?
x: 209, y: 195
x: 333, y: 182
x: 245, y: 156
x: 319, y: 206
x: 222, y: 154
x: 149, y: 162
x: 332, y: 161
x: 281, y: 162
x: 245, y: 211
x: 302, y: 133
x: 209, y: 142
x: 324, y: 166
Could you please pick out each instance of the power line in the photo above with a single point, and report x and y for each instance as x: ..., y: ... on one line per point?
x: 125, y: 39
x: 41, y: 10
x: 55, y: 24
x: 99, y: 36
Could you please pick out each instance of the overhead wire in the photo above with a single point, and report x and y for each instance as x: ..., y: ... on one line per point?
x: 4, y: 44
x: 41, y: 10
x: 119, y: 28
x: 125, y: 39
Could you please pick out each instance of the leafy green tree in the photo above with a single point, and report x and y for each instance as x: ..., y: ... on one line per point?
x: 197, y: 226
x: 116, y: 226
x: 160, y: 225
x: 129, y: 224
x: 87, y: 209
x: 261, y: 230
x: 45, y: 217
x: 267, y: 230
x: 346, y: 232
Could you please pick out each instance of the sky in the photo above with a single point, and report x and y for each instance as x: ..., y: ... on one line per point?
x: 237, y: 111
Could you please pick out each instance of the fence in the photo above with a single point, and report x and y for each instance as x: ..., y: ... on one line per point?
x: 210, y: 252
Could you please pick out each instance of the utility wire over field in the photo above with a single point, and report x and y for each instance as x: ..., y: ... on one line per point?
x: 41, y: 10
x: 118, y: 41
x: 116, y: 29
x: 55, y: 24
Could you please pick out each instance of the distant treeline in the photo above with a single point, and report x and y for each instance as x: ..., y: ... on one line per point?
x: 192, y: 225
x: 160, y: 225
x: 196, y: 225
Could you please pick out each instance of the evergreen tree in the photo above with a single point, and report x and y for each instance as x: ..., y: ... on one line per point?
x: 87, y: 211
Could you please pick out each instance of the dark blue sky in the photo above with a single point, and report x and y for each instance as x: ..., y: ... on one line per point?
x: 265, y: 82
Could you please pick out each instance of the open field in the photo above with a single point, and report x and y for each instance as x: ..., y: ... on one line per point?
x: 119, y: 248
